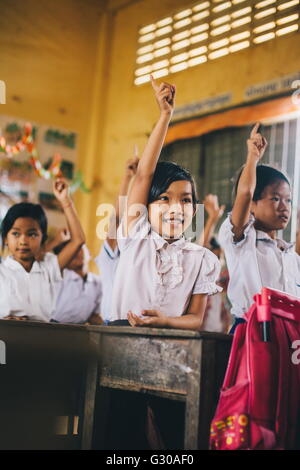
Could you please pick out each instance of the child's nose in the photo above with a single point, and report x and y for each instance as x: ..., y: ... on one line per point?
x: 23, y: 240
x: 176, y: 208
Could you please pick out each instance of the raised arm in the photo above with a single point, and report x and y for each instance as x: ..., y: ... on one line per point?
x: 61, y: 235
x: 77, y: 238
x: 246, y: 186
x: 214, y: 212
x: 165, y: 96
x: 129, y: 173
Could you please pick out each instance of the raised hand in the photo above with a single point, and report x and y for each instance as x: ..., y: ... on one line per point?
x: 61, y: 191
x: 165, y: 95
x: 256, y: 144
x: 131, y: 166
x: 211, y: 204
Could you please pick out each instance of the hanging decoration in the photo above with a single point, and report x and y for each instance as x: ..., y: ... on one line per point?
x: 26, y: 142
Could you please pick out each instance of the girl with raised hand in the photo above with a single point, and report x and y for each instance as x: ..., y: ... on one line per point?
x: 28, y: 284
x: 255, y: 256
x: 162, y: 280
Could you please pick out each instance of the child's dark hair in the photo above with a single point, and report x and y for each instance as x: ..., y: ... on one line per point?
x: 24, y: 209
x: 165, y: 174
x: 265, y: 176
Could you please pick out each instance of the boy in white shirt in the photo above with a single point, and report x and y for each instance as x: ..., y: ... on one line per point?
x: 79, y: 292
x: 255, y: 257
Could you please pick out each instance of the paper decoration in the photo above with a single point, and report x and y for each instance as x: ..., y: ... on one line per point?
x: 26, y: 142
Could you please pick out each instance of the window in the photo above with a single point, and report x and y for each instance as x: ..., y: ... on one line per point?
x: 215, y: 158
x: 209, y: 30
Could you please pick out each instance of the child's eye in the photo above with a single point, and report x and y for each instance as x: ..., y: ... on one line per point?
x: 33, y: 235
x: 187, y: 200
x: 275, y: 199
x: 163, y: 198
x: 15, y: 234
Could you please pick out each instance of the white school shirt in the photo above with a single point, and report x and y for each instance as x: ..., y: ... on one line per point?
x: 257, y: 261
x: 155, y: 275
x: 29, y: 293
x: 107, y: 262
x: 77, y: 298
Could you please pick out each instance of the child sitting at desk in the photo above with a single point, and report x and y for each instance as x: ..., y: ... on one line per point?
x: 162, y: 280
x: 27, y: 282
x: 80, y: 291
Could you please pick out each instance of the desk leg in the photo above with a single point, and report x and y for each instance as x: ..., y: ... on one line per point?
x: 208, y: 363
x: 89, y: 392
x: 192, y: 405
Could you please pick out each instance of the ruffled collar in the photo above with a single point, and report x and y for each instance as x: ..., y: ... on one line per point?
x: 181, y: 243
x: 169, y: 259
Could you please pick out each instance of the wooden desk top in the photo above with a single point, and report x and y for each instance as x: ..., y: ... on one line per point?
x: 116, y: 330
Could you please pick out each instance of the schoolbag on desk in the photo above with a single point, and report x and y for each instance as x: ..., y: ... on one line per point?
x: 260, y: 398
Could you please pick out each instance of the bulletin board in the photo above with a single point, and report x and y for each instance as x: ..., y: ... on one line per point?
x: 18, y: 179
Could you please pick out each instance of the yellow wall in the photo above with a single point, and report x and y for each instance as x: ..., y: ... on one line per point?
x: 48, y: 52
x: 79, y: 55
x: 131, y: 110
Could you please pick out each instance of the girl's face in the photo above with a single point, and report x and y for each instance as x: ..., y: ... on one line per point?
x: 171, y: 214
x: 273, y: 210
x: 24, y: 239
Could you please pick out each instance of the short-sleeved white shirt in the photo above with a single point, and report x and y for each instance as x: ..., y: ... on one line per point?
x: 155, y: 275
x: 77, y: 298
x: 107, y: 262
x: 29, y: 293
x: 257, y: 261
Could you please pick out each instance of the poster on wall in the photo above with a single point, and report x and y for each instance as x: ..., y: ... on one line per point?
x: 18, y: 179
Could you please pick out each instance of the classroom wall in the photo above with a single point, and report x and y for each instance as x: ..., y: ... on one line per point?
x: 48, y: 60
x: 79, y: 56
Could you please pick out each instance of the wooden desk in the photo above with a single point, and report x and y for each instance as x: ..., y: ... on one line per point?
x: 55, y: 370
x: 48, y: 380
x: 176, y: 364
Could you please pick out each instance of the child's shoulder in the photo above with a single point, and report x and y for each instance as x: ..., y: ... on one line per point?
x: 226, y: 233
x: 201, y: 251
x: 193, y: 246
x: 95, y: 278
x: 48, y: 259
x: 96, y: 282
x: 49, y: 264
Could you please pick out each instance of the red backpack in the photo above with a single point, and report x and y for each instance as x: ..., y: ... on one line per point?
x: 259, y: 401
